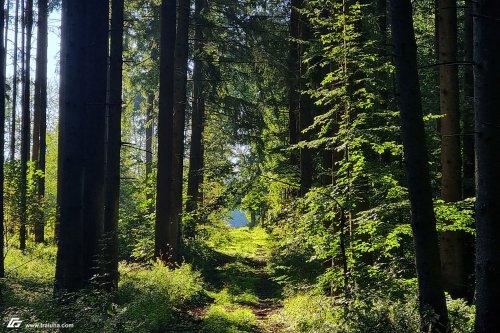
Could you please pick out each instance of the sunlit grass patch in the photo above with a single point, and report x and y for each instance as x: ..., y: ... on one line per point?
x: 224, y: 319
x: 247, y: 242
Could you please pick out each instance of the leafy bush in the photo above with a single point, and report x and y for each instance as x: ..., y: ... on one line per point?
x: 313, y: 312
x: 148, y: 298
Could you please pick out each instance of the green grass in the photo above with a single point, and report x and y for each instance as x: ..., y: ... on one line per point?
x: 244, y: 242
x: 224, y: 319
x: 219, y: 296
x: 148, y: 298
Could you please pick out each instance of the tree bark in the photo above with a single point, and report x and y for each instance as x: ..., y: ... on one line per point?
x: 40, y: 119
x: 305, y: 110
x: 25, y: 122
x: 487, y: 130
x: 196, y: 155
x: 180, y: 102
x: 69, y: 266
x: 294, y: 79
x: 431, y: 295
x: 5, y: 38
x: 149, y: 152
x: 468, y: 163
x: 14, y: 87
x: 451, y: 242
x: 2, y: 140
x: 113, y: 146
x: 166, y: 228
x: 96, y: 65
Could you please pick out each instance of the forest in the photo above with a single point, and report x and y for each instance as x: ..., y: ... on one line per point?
x: 265, y: 166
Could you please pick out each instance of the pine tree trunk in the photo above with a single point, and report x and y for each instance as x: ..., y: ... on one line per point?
x: 487, y: 129
x: 196, y: 156
x: 451, y: 242
x: 180, y: 102
x: 96, y: 65
x: 305, y: 111
x: 69, y: 265
x: 113, y: 146
x: 2, y: 142
x: 14, y: 87
x: 40, y: 119
x: 166, y: 228
x: 6, y: 37
x: 149, y: 152
x: 25, y: 122
x: 294, y: 79
x: 468, y: 163
x: 431, y: 295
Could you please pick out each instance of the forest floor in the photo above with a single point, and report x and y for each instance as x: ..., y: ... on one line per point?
x: 230, y: 274
x: 243, y: 297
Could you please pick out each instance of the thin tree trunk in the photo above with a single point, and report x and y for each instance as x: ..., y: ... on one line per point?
x: 2, y: 142
x: 149, y: 151
x: 180, y: 102
x: 40, y: 119
x: 306, y: 106
x: 431, y: 295
x: 468, y: 164
x: 196, y: 155
x: 487, y: 129
x: 69, y: 266
x: 451, y: 242
x: 6, y: 37
x: 96, y: 65
x: 293, y: 84
x: 14, y: 87
x: 25, y: 122
x: 166, y: 228
x: 113, y: 145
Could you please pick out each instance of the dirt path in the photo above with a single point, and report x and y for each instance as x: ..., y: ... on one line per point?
x: 242, y: 295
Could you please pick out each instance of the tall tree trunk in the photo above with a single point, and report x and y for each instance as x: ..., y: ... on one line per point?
x: 113, y: 145
x: 83, y: 107
x: 431, y: 295
x: 294, y: 79
x: 40, y: 119
x: 180, y: 102
x: 451, y: 249
x: 5, y: 39
x: 149, y: 151
x: 468, y: 158
x: 196, y: 155
x: 2, y: 141
x: 96, y: 65
x: 166, y: 228
x: 468, y: 163
x: 487, y: 100
x: 25, y: 122
x: 305, y: 109
x: 14, y: 87
x: 69, y: 266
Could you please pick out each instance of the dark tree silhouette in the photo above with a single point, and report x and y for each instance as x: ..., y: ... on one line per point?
x: 166, y: 228
x: 431, y: 294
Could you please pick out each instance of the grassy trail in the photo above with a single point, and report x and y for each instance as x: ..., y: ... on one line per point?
x: 243, y: 296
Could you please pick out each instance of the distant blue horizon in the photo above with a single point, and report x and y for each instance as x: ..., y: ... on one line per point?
x: 238, y: 219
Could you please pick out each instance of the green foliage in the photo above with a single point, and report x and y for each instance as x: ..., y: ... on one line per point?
x: 313, y: 312
x: 148, y: 297
x: 147, y: 300
x: 223, y: 320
